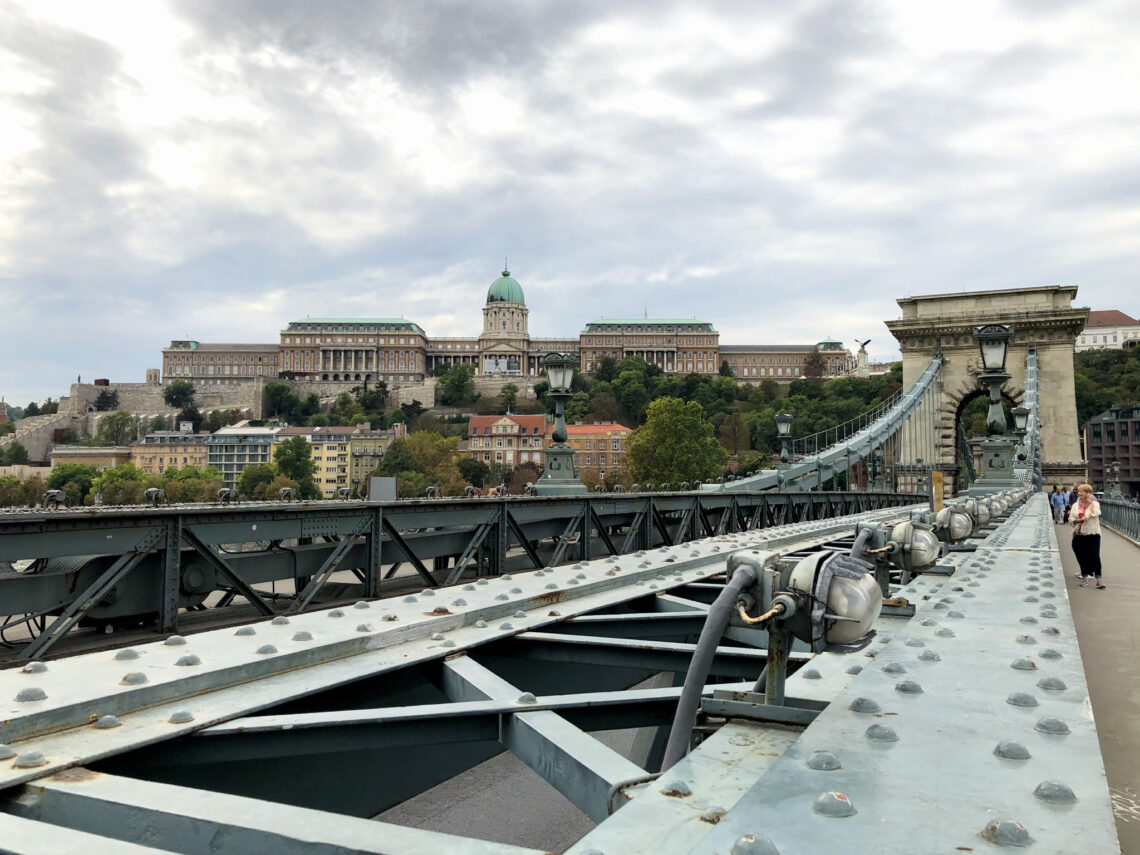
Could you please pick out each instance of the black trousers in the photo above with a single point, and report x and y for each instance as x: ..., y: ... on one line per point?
x: 1087, y: 549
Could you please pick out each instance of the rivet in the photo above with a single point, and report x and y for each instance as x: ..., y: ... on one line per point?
x: 411, y: 598
x: 180, y: 717
x: 516, y: 590
x: 6, y: 753
x: 908, y: 687
x: 527, y: 698
x: 1029, y: 619
x: 576, y: 582
x: 1048, y: 595
x: 388, y: 616
x: 280, y: 620
x: 1055, y: 792
x: 969, y: 595
x: 1006, y: 832
x: 1011, y: 750
x: 1051, y: 630
x: 823, y: 761
x: 40, y: 667
x: 336, y: 613
x: 480, y: 624
x: 482, y: 582
x: 1049, y: 653
x: 811, y: 674
x: 174, y: 641
x: 864, y: 705
x: 246, y: 630
x: 552, y: 587
x: 189, y: 659
x: 427, y: 592
x: 929, y: 656
x: 1026, y: 639
x: 266, y: 649
x: 855, y: 669
x: 894, y: 668
x: 554, y: 613
x: 448, y: 643
x: 1053, y: 684
x: 883, y: 639
x: 503, y: 597
x: 944, y: 632
x: 941, y: 606
x: 1030, y: 599
x: 833, y: 804
x: 676, y: 788
x: 106, y: 722
x: 506, y: 625
x: 1024, y: 664
x: 1021, y: 699
x: 28, y: 695
x: 928, y: 622
x: 303, y: 635
x: 955, y: 615
x: 915, y: 642
x: 360, y: 627
x: 437, y: 636
x: 134, y: 678
x: 468, y: 587
x: 520, y: 614
x: 30, y: 760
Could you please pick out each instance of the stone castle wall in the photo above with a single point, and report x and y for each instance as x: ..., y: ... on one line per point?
x: 146, y: 398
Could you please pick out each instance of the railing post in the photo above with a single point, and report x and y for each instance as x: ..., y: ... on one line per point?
x: 171, y: 575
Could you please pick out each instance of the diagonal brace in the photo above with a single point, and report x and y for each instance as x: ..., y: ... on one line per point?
x: 318, y: 579
x: 402, y: 545
x: 225, y: 571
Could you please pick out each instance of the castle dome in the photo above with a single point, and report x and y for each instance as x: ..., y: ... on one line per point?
x: 505, y: 289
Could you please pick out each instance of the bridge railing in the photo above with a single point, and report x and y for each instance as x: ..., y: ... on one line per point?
x: 1123, y: 517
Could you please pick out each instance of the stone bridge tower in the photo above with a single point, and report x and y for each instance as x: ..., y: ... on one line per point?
x: 1043, y: 318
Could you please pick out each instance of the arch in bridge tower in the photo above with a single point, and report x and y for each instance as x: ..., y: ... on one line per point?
x: 1044, y: 319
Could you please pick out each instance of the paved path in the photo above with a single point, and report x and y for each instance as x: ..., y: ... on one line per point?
x: 1108, y: 630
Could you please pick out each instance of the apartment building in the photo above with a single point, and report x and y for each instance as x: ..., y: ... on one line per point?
x: 598, y: 448
x: 344, y: 456
x: 169, y: 449
x: 233, y: 448
x: 509, y: 440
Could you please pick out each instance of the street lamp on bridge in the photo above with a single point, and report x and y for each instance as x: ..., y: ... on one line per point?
x: 998, y: 447
x: 559, y: 479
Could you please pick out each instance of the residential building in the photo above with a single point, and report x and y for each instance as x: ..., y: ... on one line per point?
x: 1114, y: 437
x: 598, y: 448
x: 170, y: 449
x: 100, y: 456
x: 233, y: 448
x: 1109, y: 329
x: 674, y: 346
x: 509, y: 440
x: 344, y: 456
x: 204, y: 364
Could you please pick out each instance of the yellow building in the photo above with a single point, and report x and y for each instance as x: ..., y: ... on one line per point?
x: 162, y: 450
x: 101, y: 457
x: 344, y: 456
x: 598, y: 448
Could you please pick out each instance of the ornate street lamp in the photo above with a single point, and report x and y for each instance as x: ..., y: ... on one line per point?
x: 1020, y: 423
x: 1114, y: 490
x: 783, y: 430
x: 559, y: 478
x: 998, y: 449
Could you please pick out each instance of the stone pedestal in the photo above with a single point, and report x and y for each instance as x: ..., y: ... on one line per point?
x: 559, y: 478
x: 996, y: 473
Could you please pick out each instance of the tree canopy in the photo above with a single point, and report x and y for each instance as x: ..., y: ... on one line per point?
x: 674, y: 445
x: 118, y: 428
x: 294, y: 460
x: 178, y: 394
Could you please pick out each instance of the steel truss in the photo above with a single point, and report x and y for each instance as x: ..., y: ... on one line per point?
x: 154, y: 562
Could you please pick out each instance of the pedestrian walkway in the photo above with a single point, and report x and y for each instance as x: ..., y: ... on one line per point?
x: 1108, y: 631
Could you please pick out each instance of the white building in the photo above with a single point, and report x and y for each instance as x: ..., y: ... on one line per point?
x: 1109, y: 329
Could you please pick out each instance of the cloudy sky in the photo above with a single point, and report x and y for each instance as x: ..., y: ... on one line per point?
x: 215, y: 169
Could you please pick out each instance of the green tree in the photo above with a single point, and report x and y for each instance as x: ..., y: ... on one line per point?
x: 279, y: 400
x: 158, y: 423
x: 190, y: 414
x: 508, y: 395
x: 412, y: 411
x: 49, y: 407
x: 735, y: 434
x: 725, y: 371
x: 33, y: 409
x: 118, y: 428
x: 815, y: 368
x: 474, y: 472
x: 178, y: 394
x: 107, y: 401
x: 75, y: 479
x: 675, y: 444
x: 294, y: 460
x: 253, y: 477
x: 219, y: 419
x: 606, y: 370
x: 457, y: 386
x: 16, y: 454
x: 7, y: 428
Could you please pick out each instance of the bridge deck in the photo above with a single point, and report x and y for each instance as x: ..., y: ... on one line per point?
x: 1109, y: 635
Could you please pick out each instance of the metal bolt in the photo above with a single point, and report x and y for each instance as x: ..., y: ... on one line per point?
x: 266, y: 649
x: 134, y: 678
x: 506, y: 625
x: 908, y: 687
x: 516, y: 590
x: 1029, y: 619
x: 388, y: 616
x: 181, y: 717
x: 834, y: 804
x: 411, y: 598
x: 1006, y: 832
x: 955, y: 615
x: 823, y: 761
x: 915, y: 642
x: 482, y: 582
x: 894, y: 668
x: 1052, y: 684
x: 503, y: 597
x: 427, y: 592
x: 554, y: 613
x: 28, y: 695
x: 928, y: 622
x: 520, y: 614
x: 1050, y: 653
x: 1021, y: 699
x: 106, y: 722
x: 6, y: 753
x: 1024, y: 664
x: 303, y: 635
x: 1030, y: 599
x: 246, y: 630
x: 280, y: 620
x: 929, y: 656
x: 336, y: 613
x: 676, y: 788
x: 30, y: 760
x: 1026, y: 639
x: 864, y: 705
x: 174, y: 641
x: 437, y: 636
x: 811, y: 674
x: 1051, y: 630
x: 1055, y: 792
x: 855, y: 669
x: 552, y: 587
x: 1011, y: 750
x: 36, y: 668
x: 944, y: 632
x: 527, y: 698
x: 189, y: 659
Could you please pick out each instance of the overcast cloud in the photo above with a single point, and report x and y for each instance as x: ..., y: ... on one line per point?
x: 785, y: 170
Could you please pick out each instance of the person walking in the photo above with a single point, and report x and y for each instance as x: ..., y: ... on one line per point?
x: 1085, y: 518
x: 1057, y: 503
x: 1071, y: 497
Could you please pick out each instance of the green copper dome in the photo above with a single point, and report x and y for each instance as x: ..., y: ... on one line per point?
x: 505, y: 289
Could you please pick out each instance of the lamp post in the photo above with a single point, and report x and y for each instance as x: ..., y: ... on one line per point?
x: 998, y: 448
x: 1020, y: 423
x: 783, y: 430
x: 559, y: 479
